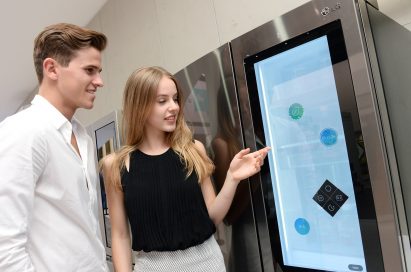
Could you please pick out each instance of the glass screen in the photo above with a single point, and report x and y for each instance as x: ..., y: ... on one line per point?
x: 310, y: 167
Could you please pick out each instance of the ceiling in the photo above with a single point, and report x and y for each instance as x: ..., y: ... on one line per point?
x: 21, y: 20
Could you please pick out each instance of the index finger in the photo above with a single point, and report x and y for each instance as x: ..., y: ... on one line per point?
x: 242, y: 153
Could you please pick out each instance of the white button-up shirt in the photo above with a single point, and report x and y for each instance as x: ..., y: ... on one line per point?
x: 48, y: 199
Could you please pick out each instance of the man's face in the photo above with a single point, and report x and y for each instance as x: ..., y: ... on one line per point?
x: 78, y: 82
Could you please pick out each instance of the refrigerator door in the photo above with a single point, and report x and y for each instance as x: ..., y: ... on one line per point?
x: 390, y: 55
x: 211, y: 111
x: 305, y: 89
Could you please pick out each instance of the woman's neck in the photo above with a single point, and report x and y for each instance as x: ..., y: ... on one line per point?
x: 154, y: 144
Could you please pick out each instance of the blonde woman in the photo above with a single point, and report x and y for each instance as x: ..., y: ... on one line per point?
x: 159, y: 183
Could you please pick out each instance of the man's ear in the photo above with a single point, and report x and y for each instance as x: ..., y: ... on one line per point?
x: 50, y: 68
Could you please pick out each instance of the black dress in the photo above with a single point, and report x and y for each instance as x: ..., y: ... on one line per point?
x: 168, y: 217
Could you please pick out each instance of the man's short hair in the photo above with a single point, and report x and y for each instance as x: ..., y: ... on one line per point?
x: 61, y: 41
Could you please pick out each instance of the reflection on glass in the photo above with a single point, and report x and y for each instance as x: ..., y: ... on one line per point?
x: 105, y: 144
x: 196, y: 111
x: 235, y: 236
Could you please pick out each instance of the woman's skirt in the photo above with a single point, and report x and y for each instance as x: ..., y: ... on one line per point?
x: 205, y: 257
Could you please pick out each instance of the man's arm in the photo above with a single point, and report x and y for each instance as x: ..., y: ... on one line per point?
x: 22, y: 159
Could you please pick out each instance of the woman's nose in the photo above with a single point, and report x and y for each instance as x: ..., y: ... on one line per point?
x: 174, y: 106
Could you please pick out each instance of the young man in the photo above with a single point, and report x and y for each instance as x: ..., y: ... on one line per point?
x: 48, y: 198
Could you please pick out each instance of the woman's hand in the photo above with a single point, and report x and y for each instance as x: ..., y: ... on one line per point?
x: 245, y: 164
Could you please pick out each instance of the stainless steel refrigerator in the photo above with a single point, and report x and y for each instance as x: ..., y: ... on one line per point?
x: 327, y: 86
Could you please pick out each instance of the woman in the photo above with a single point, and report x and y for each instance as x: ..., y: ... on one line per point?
x: 159, y: 182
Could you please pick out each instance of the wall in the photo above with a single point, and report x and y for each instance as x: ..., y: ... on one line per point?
x: 171, y: 34
x: 175, y: 33
x: 399, y: 10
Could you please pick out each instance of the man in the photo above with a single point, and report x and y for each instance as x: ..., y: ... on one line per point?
x: 48, y: 198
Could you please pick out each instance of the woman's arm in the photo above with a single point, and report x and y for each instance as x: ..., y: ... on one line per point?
x: 243, y: 165
x: 120, y: 233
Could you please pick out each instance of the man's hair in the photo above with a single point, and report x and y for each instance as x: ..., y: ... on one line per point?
x: 61, y: 41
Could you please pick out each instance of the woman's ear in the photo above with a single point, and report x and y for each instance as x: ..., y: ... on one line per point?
x: 50, y: 68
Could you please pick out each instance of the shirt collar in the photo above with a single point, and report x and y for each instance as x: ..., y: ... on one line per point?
x: 55, y: 116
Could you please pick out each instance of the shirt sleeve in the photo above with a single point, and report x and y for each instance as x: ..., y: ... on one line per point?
x: 22, y: 160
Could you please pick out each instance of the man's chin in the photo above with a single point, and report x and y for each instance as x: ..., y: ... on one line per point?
x: 88, y: 106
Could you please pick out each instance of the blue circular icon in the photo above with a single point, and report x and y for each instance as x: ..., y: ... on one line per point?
x: 328, y: 136
x: 302, y: 226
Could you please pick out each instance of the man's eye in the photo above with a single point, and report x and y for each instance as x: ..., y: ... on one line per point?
x: 89, y: 70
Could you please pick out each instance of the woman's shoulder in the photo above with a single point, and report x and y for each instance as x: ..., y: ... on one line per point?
x: 108, y: 160
x: 199, y: 146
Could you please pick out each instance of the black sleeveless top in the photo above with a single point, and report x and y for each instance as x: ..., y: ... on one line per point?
x: 166, y: 210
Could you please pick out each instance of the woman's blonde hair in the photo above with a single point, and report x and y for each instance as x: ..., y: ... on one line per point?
x: 138, y: 99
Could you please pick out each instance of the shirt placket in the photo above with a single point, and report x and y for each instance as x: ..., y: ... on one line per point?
x: 82, y: 145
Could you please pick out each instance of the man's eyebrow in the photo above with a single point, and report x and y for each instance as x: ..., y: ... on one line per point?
x: 95, y: 67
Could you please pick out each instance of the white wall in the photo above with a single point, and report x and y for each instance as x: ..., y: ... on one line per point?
x: 174, y: 33
x: 168, y: 33
x: 399, y: 10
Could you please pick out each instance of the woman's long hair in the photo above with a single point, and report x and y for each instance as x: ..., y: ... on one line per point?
x: 139, y: 97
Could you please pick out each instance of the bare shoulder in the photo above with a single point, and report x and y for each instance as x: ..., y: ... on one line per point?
x: 108, y: 161
x: 200, y: 147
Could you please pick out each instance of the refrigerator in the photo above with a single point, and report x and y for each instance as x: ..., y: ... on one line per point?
x: 326, y: 86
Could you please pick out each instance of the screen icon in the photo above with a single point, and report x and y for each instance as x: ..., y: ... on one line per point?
x: 328, y: 136
x: 296, y: 111
x: 302, y: 226
x: 330, y: 198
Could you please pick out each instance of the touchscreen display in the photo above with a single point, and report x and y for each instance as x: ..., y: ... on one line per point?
x: 309, y: 164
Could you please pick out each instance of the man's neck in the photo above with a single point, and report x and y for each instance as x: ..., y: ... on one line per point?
x: 56, y: 102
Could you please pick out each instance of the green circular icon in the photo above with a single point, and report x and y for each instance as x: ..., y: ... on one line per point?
x: 296, y: 111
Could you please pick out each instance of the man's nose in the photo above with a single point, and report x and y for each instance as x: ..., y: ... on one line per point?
x: 98, y: 81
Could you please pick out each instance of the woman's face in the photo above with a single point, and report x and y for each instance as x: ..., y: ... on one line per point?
x: 165, y: 110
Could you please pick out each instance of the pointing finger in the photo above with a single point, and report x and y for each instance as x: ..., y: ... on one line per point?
x: 242, y: 153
